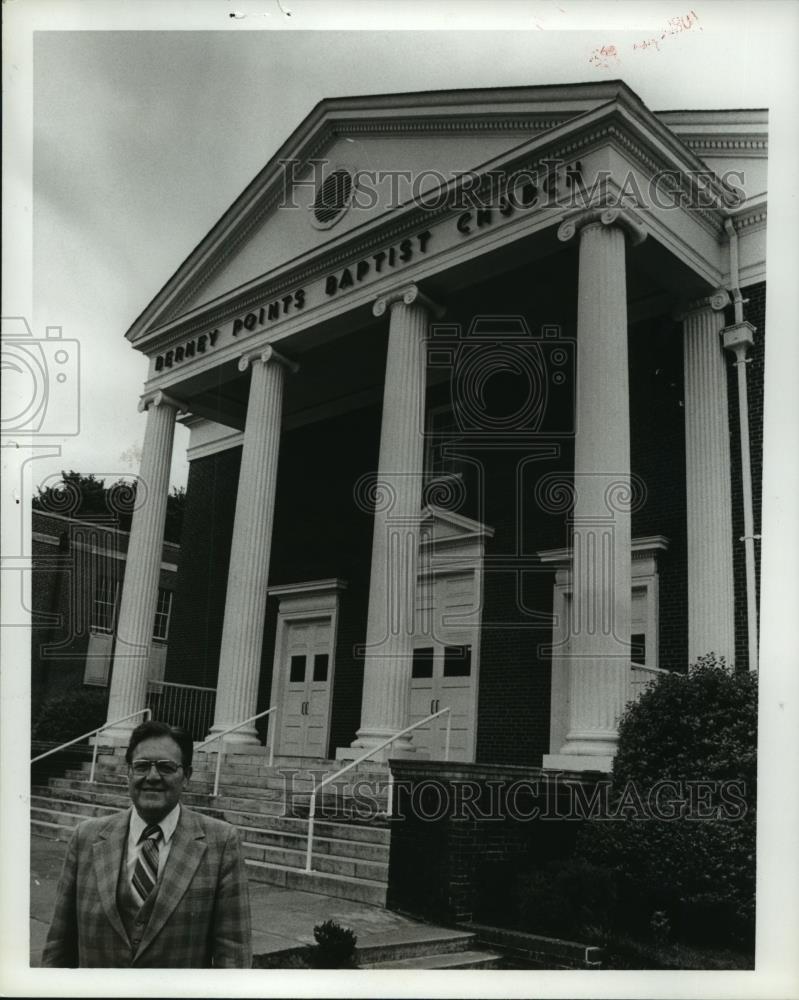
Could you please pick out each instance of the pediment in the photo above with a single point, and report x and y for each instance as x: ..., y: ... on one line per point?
x: 443, y: 527
x: 420, y: 137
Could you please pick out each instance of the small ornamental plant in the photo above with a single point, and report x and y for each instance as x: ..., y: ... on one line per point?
x: 335, y: 947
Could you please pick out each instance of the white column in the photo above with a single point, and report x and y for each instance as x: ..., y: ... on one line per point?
x: 599, y: 642
x: 248, y: 575
x: 142, y: 569
x: 395, y: 546
x: 711, y: 604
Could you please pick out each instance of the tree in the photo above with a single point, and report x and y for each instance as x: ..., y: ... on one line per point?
x: 84, y: 496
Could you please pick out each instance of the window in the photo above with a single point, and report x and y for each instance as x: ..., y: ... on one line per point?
x: 457, y: 661
x: 332, y: 197
x: 163, y: 609
x: 104, y: 605
x: 320, y: 661
x: 422, y: 663
x: 297, y: 670
x: 441, y: 441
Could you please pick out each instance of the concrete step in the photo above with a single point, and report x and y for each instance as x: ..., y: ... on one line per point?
x: 338, y: 846
x: 374, y: 871
x: 52, y: 803
x: 50, y: 831
x: 340, y: 886
x: 297, y: 787
x: 84, y: 793
x: 413, y: 943
x: 65, y: 816
x: 448, y: 960
x: 374, y: 834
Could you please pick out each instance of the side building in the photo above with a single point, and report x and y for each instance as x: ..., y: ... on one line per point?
x: 78, y: 570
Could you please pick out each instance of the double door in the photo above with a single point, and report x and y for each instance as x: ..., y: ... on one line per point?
x: 443, y: 670
x: 305, y: 715
x: 441, y: 677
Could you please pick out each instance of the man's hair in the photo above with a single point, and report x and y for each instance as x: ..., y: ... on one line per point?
x: 154, y: 730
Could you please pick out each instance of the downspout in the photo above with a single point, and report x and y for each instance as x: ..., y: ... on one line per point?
x: 738, y: 339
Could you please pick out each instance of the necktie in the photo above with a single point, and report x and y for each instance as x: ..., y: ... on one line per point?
x: 145, y: 874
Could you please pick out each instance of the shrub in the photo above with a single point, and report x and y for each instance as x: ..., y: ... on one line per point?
x: 697, y: 870
x: 567, y: 899
x: 335, y: 947
x: 71, y: 714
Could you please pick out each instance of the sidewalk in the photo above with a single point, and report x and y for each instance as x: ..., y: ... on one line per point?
x: 281, y: 918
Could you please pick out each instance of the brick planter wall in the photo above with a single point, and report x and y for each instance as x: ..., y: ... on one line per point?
x: 460, y: 830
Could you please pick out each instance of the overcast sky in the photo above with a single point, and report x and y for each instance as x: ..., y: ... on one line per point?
x: 142, y: 138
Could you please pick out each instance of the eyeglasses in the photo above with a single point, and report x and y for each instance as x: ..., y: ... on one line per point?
x: 164, y: 767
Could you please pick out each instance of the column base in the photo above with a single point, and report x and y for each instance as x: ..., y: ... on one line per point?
x: 365, y: 740
x: 118, y: 736
x: 578, y: 762
x: 240, y: 740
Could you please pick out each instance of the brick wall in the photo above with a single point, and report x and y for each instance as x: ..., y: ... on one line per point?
x: 461, y: 832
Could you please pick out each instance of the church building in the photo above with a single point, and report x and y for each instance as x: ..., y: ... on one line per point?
x: 474, y: 385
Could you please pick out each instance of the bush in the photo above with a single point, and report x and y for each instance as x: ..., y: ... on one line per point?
x: 335, y: 947
x: 697, y: 731
x: 566, y: 899
x: 71, y: 714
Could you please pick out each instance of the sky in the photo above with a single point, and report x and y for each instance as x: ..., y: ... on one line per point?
x: 142, y: 138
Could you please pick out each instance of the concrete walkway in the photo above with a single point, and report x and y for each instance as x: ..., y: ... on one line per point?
x: 281, y: 918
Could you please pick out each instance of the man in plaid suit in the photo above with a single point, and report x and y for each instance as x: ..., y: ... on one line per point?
x: 157, y: 886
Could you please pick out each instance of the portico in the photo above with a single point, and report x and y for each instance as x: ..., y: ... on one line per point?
x: 308, y: 324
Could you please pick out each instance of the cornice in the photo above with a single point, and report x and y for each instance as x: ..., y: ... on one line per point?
x: 755, y: 219
x: 750, y: 145
x: 616, y: 120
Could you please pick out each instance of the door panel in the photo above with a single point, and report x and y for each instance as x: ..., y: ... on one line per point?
x: 306, y: 691
x: 442, y: 673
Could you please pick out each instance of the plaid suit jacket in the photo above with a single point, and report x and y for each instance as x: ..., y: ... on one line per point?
x: 201, y: 916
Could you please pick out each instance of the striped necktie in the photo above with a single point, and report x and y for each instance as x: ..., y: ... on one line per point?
x: 145, y: 874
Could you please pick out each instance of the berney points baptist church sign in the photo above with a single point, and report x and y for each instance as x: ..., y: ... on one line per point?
x: 493, y: 198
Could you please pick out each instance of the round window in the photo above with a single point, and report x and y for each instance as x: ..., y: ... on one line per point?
x: 332, y: 197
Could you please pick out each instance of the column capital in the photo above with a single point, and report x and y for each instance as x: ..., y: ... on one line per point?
x: 265, y: 355
x: 160, y: 398
x: 408, y: 295
x: 738, y: 338
x: 622, y: 217
x: 714, y: 302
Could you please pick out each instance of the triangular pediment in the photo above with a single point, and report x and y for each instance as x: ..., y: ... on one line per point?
x: 441, y: 526
x: 397, y: 147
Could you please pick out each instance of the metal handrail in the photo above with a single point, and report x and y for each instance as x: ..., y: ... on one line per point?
x: 649, y: 670
x: 94, y: 732
x: 232, y: 729
x: 358, y: 760
x: 183, y: 687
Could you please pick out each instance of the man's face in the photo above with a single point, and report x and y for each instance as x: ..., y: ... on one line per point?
x: 153, y: 794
